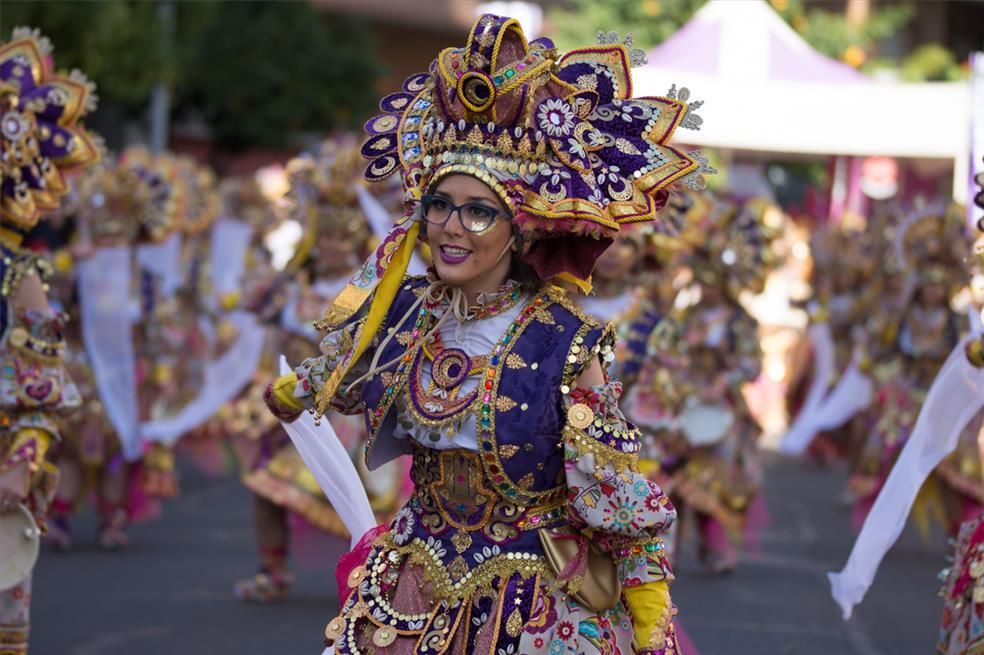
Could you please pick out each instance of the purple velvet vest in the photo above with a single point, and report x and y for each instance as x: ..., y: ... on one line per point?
x: 523, y: 458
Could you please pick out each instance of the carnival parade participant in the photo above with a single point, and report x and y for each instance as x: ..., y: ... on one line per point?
x: 324, y: 199
x: 41, y: 139
x: 109, y: 204
x: 521, y: 165
x: 713, y: 467
x: 907, y: 347
x: 962, y: 622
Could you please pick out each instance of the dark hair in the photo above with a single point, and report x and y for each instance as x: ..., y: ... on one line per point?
x: 519, y: 271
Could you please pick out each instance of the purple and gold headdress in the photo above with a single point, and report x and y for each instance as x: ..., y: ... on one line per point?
x: 42, y: 137
x: 559, y: 138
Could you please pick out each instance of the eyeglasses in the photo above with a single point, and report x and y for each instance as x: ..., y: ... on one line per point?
x: 473, y: 216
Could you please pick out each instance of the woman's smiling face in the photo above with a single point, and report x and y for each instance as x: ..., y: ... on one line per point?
x: 474, y: 261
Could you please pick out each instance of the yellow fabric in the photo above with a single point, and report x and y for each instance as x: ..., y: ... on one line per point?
x: 584, y: 286
x: 283, y: 391
x: 929, y: 507
x: 649, y: 605
x: 385, y: 292
x: 41, y: 439
x: 42, y: 442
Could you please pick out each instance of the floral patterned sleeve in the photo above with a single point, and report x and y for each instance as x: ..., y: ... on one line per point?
x: 624, y: 513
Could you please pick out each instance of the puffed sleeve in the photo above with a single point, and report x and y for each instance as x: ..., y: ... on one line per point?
x: 622, y: 511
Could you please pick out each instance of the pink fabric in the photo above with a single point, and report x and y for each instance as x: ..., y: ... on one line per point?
x: 207, y: 453
x: 577, y: 565
x: 355, y: 558
x: 139, y: 505
x: 685, y: 644
x: 757, y: 518
x: 314, y: 549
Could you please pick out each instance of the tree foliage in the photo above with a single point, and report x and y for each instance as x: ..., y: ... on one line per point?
x: 258, y: 71
x: 116, y: 42
x: 576, y: 22
x: 263, y: 70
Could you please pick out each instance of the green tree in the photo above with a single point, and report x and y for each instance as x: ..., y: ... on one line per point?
x: 262, y: 71
x: 258, y: 71
x: 116, y: 42
x: 835, y: 36
x: 576, y: 22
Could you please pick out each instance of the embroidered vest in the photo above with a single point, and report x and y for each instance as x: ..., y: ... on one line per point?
x: 520, y: 437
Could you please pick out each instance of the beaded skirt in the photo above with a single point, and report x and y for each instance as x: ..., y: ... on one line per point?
x: 462, y: 570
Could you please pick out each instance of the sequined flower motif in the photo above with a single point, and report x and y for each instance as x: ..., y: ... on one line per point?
x: 403, y: 524
x: 556, y: 117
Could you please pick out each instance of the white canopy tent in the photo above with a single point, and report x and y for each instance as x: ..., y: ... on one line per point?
x: 767, y: 90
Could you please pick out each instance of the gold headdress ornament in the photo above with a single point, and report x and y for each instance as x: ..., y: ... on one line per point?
x: 41, y: 135
x: 242, y: 198
x: 930, y: 243
x: 559, y: 138
x: 323, y: 196
x: 196, y: 194
x: 731, y: 245
x: 158, y: 175
x: 114, y: 202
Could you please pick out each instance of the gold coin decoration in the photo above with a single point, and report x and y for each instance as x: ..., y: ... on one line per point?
x: 384, y: 637
x: 335, y: 628
x: 357, y: 575
x: 580, y: 416
x: 18, y: 337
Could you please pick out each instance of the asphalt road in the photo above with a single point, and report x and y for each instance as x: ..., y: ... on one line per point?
x: 170, y: 592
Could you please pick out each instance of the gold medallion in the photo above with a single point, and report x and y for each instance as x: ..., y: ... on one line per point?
x: 18, y: 337
x: 384, y: 637
x: 580, y: 416
x: 335, y: 628
x: 357, y: 575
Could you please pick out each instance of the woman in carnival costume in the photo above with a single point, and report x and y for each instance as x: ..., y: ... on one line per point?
x: 962, y: 624
x: 906, y: 348
x: 947, y: 429
x: 286, y: 496
x: 101, y: 451
x: 844, y: 293
x: 712, y: 466
x: 41, y: 138
x: 520, y: 165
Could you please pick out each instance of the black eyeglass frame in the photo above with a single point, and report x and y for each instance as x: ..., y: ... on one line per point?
x: 427, y: 200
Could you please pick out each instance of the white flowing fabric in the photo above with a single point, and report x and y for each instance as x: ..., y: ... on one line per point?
x: 104, y: 298
x: 230, y: 240
x: 802, y: 431
x: 164, y: 261
x: 332, y: 467
x: 224, y: 378
x: 956, y: 395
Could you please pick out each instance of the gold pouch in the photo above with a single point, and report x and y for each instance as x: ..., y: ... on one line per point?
x: 599, y: 589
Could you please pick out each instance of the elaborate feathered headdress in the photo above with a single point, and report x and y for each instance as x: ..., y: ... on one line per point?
x: 559, y: 138
x: 324, y: 196
x: 41, y: 135
x: 732, y: 245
